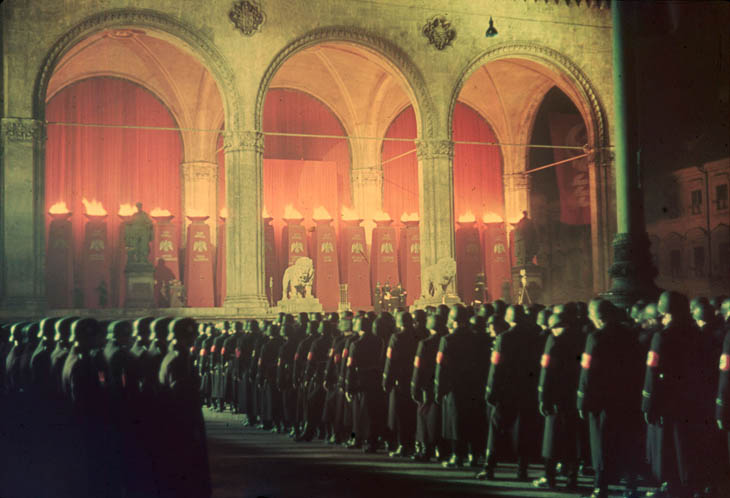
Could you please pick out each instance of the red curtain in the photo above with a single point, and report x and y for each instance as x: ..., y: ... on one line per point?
x: 575, y: 202
x: 111, y: 165
x: 477, y: 168
x: 303, y: 171
x: 400, y: 176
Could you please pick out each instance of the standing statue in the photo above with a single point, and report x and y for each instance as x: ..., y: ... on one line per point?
x: 137, y: 237
x: 525, y: 241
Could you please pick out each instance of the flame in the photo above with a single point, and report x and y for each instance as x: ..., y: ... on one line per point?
x: 126, y: 210
x: 224, y: 213
x: 160, y: 213
x: 195, y: 213
x: 492, y: 218
x: 468, y: 217
x: 265, y: 213
x: 290, y: 213
x: 94, y: 208
x: 59, y: 208
x: 409, y: 217
x: 321, y: 213
x: 349, y: 214
x: 381, y: 216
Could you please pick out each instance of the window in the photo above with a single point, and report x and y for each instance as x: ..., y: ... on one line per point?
x: 721, y: 197
x: 699, y: 261
x: 696, y: 202
x: 675, y: 259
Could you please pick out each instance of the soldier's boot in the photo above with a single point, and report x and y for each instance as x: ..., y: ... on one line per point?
x: 598, y: 493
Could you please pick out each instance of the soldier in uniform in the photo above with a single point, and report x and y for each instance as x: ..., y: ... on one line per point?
x: 363, y: 383
x: 396, y: 382
x: 271, y: 406
x: 456, y: 384
x: 245, y: 349
x: 428, y: 422
x: 335, y: 397
x: 478, y: 325
x: 298, y: 376
x: 158, y: 345
x: 313, y: 381
x: 217, y: 370
x: 204, y: 364
x: 608, y: 396
x: 40, y: 362
x: 511, y: 391
x: 669, y: 396
x: 557, y: 400
x: 228, y: 358
x: 345, y: 407
x: 722, y: 401
x: 284, y: 378
x: 185, y: 473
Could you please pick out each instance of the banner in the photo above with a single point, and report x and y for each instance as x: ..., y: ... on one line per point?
x: 572, y: 177
x: 410, y: 261
x: 96, y: 281
x: 354, y: 266
x: 383, y: 260
x: 326, y: 272
x: 165, y: 257
x: 496, y: 260
x: 59, y: 262
x: 468, y: 260
x: 199, y: 266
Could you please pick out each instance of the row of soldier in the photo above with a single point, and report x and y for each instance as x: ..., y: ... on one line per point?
x: 91, y: 409
x: 467, y: 385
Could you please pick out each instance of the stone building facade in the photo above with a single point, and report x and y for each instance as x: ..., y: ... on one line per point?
x: 244, y: 48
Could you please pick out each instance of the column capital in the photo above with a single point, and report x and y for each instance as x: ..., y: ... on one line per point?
x: 23, y: 129
x: 243, y: 140
x: 517, y: 180
x: 434, y: 149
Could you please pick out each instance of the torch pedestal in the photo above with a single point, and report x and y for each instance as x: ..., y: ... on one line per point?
x: 59, y: 262
x: 354, y: 265
x: 199, y: 264
x: 410, y: 261
x: 383, y: 258
x: 326, y: 272
x: 468, y: 260
x: 165, y: 252
x: 96, y: 280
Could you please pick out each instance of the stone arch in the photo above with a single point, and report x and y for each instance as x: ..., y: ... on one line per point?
x: 198, y: 45
x: 557, y: 62
x: 423, y: 104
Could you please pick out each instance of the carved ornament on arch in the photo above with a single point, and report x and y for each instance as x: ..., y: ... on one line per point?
x: 553, y: 59
x: 434, y: 149
x: 201, y: 47
x: 391, y: 52
x: 243, y: 140
x: 23, y: 129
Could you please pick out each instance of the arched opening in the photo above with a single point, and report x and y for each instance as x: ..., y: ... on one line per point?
x: 132, y: 118
x: 317, y: 95
x: 560, y: 200
x: 517, y: 89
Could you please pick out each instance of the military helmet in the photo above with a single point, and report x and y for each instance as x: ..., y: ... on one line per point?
x: 499, y: 307
x: 673, y: 303
x: 63, y: 328
x: 159, y: 329
x: 17, y: 334
x: 459, y: 315
x: 48, y: 328
x: 404, y: 320
x: 702, y: 312
x: 119, y: 331
x: 514, y: 314
x: 497, y: 324
x: 558, y: 320
x: 182, y: 332
x: 141, y: 327
x: 543, y: 317
x: 84, y: 331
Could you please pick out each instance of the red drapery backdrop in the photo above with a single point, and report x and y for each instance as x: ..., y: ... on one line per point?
x: 303, y: 171
x: 477, y: 168
x: 575, y: 203
x: 112, y: 165
x: 400, y: 176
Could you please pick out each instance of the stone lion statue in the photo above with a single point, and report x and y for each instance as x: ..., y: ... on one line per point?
x: 298, y: 279
x: 439, y: 276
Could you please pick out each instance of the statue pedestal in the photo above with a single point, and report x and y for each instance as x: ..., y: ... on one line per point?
x: 535, y: 283
x: 298, y: 305
x: 425, y: 301
x: 140, y: 291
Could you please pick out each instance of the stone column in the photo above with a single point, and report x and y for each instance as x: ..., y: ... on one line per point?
x: 436, y: 200
x: 245, y: 263
x: 200, y: 191
x: 516, y: 196
x: 598, y: 180
x: 23, y: 224
x: 632, y: 271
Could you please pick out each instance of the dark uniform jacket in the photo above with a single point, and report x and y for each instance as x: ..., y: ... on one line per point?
x: 560, y: 370
x: 399, y: 359
x: 424, y: 369
x: 722, y: 402
x: 515, y: 368
x: 364, y: 367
